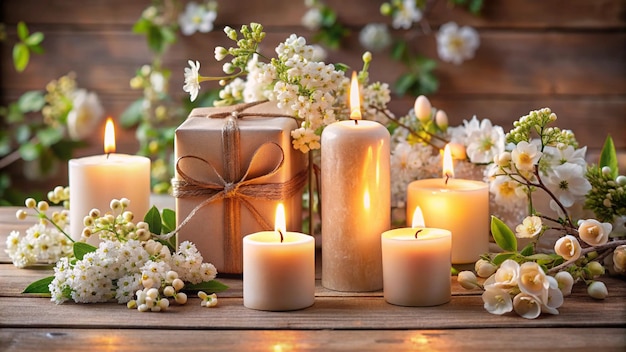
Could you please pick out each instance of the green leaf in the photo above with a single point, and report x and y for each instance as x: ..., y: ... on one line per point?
x: 528, y: 250
x: 212, y: 286
x: 30, y: 151
x: 153, y: 218
x: 22, y: 134
x: 404, y: 83
x: 501, y: 257
x: 169, y: 220
x: 399, y: 50
x: 49, y: 136
x: 540, y: 257
x: 40, y: 286
x: 34, y: 39
x: 608, y: 157
x: 133, y: 114
x: 64, y: 149
x: 22, y: 31
x: 82, y: 248
x: 31, y: 101
x: 21, y: 56
x: 142, y: 26
x: 505, y: 238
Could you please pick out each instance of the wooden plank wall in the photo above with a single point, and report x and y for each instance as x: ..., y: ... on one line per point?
x: 567, y: 55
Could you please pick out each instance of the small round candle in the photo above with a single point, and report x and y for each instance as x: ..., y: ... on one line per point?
x: 96, y: 180
x: 416, y: 269
x: 278, y: 270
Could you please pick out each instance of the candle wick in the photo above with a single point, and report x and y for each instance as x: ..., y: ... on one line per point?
x: 281, y: 235
x: 447, y: 177
x: 418, y: 231
x: 356, y: 122
x: 108, y: 155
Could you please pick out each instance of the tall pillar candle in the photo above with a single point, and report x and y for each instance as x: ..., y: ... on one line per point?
x: 461, y: 206
x: 355, y: 194
x: 278, y: 269
x: 416, y: 266
x: 95, y: 180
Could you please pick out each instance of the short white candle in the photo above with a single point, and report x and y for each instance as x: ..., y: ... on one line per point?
x: 96, y: 180
x: 461, y: 206
x: 278, y: 275
x: 355, y: 202
x: 416, y: 271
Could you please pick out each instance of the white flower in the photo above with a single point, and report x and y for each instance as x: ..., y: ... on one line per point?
x: 565, y: 282
x: 484, y: 268
x: 568, y: 183
x: 619, y: 259
x: 406, y: 14
x: 375, y: 36
x: 534, y: 281
x: 525, y: 156
x: 594, y: 232
x: 506, y: 276
x: 597, y: 290
x: 530, y: 227
x: 526, y: 306
x: 467, y: 280
x: 196, y: 18
x: 456, y: 44
x: 507, y: 192
x: 485, y: 142
x: 568, y: 247
x: 497, y: 301
x: 192, y: 79
x: 312, y: 19
x: 85, y: 115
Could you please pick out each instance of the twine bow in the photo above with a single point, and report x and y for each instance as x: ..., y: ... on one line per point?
x: 234, y: 189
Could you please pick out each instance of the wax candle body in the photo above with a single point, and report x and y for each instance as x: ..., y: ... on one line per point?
x: 278, y: 276
x: 355, y: 204
x: 96, y: 180
x: 416, y: 271
x: 461, y: 206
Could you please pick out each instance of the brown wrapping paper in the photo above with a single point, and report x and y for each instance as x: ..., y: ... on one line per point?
x: 201, y: 145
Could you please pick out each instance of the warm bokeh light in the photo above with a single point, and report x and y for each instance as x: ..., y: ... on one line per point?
x: 448, y: 168
x: 109, y: 137
x: 280, y: 223
x: 355, y: 98
x: 418, y: 218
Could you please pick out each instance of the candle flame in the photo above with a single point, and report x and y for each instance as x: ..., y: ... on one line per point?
x: 355, y: 98
x: 280, y: 223
x: 448, y: 168
x: 366, y: 199
x: 109, y: 137
x: 418, y: 218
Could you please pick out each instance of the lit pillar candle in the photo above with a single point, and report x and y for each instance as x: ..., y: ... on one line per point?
x: 416, y: 265
x: 461, y: 206
x: 278, y: 268
x: 96, y: 180
x: 355, y: 201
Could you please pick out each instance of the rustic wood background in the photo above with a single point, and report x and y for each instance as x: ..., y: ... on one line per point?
x: 566, y: 55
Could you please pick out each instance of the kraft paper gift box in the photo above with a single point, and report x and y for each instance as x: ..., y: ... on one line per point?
x: 233, y: 166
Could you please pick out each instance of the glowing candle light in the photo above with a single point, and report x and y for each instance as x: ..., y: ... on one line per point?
x: 96, y: 180
x: 355, y: 200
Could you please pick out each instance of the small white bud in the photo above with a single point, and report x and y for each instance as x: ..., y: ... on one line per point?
x: 597, y: 290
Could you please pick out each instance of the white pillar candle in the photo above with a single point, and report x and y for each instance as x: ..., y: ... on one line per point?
x: 416, y: 270
x: 278, y: 275
x: 461, y: 206
x: 355, y: 203
x: 95, y: 180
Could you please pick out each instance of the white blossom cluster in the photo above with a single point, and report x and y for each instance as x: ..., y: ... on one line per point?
x: 117, y: 270
x: 40, y: 243
x: 525, y: 289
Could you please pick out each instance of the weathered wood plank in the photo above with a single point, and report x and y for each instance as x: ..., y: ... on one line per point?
x: 356, y: 13
x: 326, y: 313
x: 524, y: 339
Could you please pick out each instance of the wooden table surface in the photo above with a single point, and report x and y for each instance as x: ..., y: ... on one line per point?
x: 337, y: 321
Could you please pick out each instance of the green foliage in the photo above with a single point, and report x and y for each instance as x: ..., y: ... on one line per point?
x: 503, y: 235
x: 153, y: 218
x: 82, y: 248
x: 419, y: 78
x: 27, y: 43
x: 474, y: 6
x: 159, y: 37
x: 208, y: 286
x: 40, y: 286
x: 608, y: 157
x: 133, y: 114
